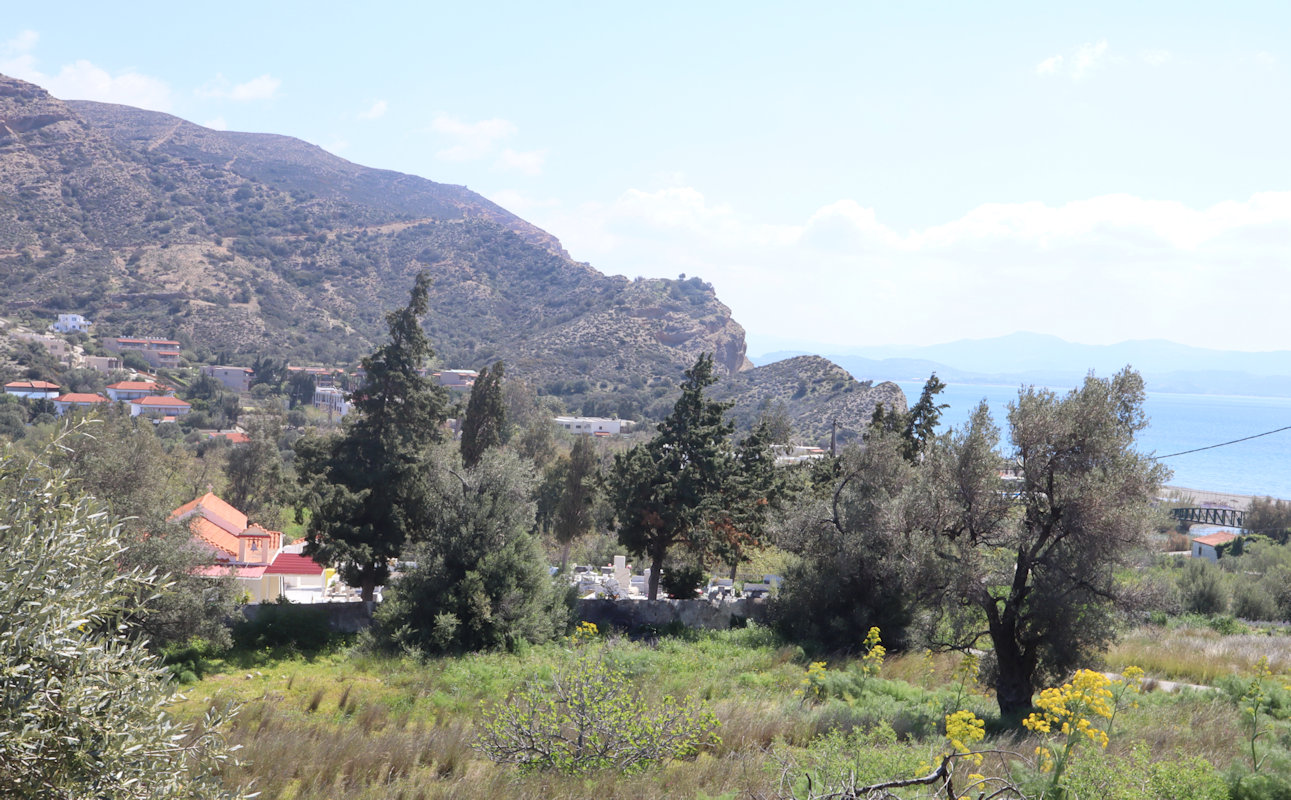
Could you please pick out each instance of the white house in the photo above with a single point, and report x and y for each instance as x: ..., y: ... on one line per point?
x: 33, y: 390
x: 331, y: 400
x: 1207, y: 546
x: 166, y: 406
x: 65, y: 403
x: 71, y: 323
x: 591, y: 425
x: 136, y: 390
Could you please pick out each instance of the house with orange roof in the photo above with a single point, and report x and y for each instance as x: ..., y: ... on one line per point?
x: 166, y: 406
x: 1207, y: 547
x: 134, y: 390
x: 157, y: 352
x: 33, y: 390
x: 247, y: 551
x: 67, y: 402
x: 234, y: 437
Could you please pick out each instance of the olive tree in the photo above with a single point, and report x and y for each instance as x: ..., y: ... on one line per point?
x: 83, y: 703
x: 1035, y: 559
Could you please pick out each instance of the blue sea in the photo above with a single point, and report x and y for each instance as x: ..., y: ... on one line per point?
x: 1178, y: 422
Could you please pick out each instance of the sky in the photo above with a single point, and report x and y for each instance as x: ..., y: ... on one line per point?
x: 844, y: 174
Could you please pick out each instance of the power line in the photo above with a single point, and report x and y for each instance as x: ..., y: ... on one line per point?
x: 1222, y: 444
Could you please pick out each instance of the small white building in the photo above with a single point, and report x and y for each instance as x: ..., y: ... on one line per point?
x: 590, y: 426
x: 331, y: 400
x: 77, y: 400
x: 165, y: 406
x: 137, y: 390
x: 33, y: 390
x: 1207, y: 547
x: 71, y: 323
x: 237, y: 379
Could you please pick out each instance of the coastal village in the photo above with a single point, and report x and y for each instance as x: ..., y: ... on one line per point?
x: 268, y: 568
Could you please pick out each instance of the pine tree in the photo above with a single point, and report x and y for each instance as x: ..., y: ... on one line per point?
x: 670, y: 489
x: 368, y: 483
x: 485, y: 424
x: 576, y: 509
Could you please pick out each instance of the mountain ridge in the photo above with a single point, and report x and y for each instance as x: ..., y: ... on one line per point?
x: 243, y: 244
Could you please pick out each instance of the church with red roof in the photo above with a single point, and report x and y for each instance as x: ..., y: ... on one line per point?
x: 251, y: 553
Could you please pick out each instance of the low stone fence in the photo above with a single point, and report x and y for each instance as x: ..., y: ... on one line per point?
x: 341, y: 617
x: 629, y: 615
x: 633, y: 615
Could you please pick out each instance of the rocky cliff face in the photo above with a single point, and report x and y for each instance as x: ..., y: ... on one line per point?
x: 244, y: 244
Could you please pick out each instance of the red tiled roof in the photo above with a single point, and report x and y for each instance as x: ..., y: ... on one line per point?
x: 214, y: 535
x: 236, y: 437
x: 209, y: 504
x: 31, y: 385
x: 134, y: 386
x: 1216, y: 539
x: 79, y: 397
x: 161, y: 402
x: 294, y: 564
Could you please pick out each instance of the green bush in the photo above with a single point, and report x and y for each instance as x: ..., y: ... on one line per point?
x: 590, y: 717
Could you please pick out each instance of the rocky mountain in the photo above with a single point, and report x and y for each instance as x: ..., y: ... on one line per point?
x: 813, y: 392
x: 240, y: 244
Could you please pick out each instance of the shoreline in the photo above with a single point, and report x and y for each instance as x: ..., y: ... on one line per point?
x: 1241, y: 502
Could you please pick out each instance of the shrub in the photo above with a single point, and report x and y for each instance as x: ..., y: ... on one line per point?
x: 590, y: 717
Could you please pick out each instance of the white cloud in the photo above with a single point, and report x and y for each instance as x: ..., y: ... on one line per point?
x: 375, y: 111
x: 83, y: 80
x: 1104, y: 269
x: 216, y: 124
x: 265, y: 87
x: 473, y: 139
x: 1077, y: 64
x: 528, y: 162
x: 1049, y: 66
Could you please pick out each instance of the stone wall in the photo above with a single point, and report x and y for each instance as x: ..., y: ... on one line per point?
x: 634, y: 615
x: 341, y: 617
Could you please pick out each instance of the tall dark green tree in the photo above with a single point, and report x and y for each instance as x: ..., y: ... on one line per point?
x: 576, y: 510
x: 367, y: 484
x: 669, y: 490
x: 855, y: 567
x: 485, y: 424
x: 481, y: 580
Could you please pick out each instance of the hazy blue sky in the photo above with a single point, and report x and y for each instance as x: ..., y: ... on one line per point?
x: 844, y: 173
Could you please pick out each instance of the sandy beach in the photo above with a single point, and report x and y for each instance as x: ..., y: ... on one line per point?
x: 1238, y: 501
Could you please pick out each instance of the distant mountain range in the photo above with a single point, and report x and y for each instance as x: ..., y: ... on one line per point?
x: 1032, y: 358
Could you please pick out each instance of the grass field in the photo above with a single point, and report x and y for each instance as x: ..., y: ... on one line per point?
x: 346, y: 724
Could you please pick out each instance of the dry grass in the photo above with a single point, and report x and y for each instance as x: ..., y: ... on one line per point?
x: 1199, y: 655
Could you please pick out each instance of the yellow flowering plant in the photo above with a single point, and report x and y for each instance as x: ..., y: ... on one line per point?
x: 1074, y: 712
x: 875, y: 652
x: 812, y: 685
x: 583, y: 633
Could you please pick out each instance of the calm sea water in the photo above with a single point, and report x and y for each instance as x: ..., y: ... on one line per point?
x: 1178, y: 422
